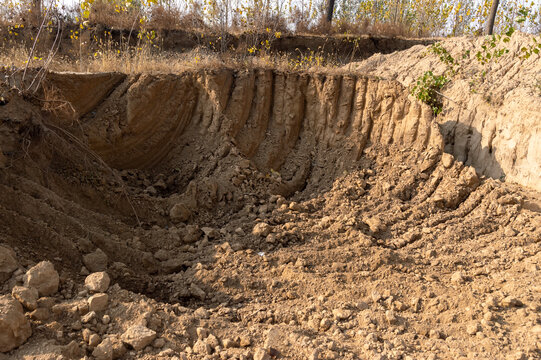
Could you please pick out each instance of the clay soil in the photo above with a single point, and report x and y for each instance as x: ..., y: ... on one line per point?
x: 289, y: 215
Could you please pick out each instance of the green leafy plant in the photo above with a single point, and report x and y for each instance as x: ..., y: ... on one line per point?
x: 427, y: 89
x: 490, y: 50
x: 445, y: 57
x: 527, y: 51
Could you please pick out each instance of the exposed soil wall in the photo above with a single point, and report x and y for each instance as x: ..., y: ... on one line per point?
x: 491, y: 118
x: 288, y: 214
x: 266, y: 114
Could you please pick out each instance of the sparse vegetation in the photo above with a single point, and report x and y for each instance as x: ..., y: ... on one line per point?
x: 428, y: 86
x: 427, y: 89
x: 214, y: 22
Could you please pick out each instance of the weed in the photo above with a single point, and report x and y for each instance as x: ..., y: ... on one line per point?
x: 427, y: 89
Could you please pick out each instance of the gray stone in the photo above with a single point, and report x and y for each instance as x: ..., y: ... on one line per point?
x: 192, y: 234
x: 158, y: 343
x: 229, y: 343
x: 342, y: 314
x: 94, y: 340
x: 180, y: 213
x: 447, y: 160
x: 274, y: 338
x: 510, y: 301
x: 212, y: 341
x: 458, y: 277
x: 472, y: 329
x: 88, y: 317
x: 40, y: 314
x: 197, y: 292
x: 172, y: 265
x: 261, y: 354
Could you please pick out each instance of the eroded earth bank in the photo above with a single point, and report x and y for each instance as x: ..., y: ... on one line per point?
x: 257, y: 214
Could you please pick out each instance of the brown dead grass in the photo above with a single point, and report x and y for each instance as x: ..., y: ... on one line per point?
x: 149, y: 61
x: 171, y: 18
x: 105, y: 13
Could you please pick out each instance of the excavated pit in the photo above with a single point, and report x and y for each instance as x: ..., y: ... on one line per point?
x: 170, y: 175
x: 210, y: 143
x: 205, y: 148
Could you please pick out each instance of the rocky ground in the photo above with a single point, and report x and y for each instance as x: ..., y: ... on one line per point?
x: 316, y: 279
x: 364, y: 239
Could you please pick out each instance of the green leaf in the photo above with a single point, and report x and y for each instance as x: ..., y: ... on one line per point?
x: 510, y: 31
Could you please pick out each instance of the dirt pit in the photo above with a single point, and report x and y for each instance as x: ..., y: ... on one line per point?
x: 258, y: 214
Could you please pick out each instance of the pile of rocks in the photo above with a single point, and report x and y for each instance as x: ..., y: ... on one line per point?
x: 40, y: 282
x: 34, y: 303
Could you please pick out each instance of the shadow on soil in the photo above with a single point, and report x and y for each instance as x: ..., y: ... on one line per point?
x: 465, y: 143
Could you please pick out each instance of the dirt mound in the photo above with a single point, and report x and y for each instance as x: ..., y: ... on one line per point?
x: 278, y: 215
x: 491, y: 117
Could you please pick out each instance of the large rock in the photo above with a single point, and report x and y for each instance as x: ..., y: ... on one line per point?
x: 28, y: 297
x: 14, y: 327
x: 104, y: 351
x: 97, y: 282
x: 8, y: 263
x: 96, y: 261
x: 98, y: 302
x: 138, y: 337
x: 42, y: 277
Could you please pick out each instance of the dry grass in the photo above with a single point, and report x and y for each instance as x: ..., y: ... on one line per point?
x: 172, y: 18
x: 379, y: 29
x: 148, y: 61
x: 106, y: 13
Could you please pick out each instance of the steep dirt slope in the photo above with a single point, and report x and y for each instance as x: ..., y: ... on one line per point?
x: 288, y: 215
x: 491, y: 118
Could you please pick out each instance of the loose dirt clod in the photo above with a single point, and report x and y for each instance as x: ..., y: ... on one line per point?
x: 42, y: 277
x: 138, y: 337
x: 14, y: 327
x: 8, y: 263
x: 28, y: 297
x: 97, y: 282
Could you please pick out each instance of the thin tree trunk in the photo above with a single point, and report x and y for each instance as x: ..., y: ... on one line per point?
x: 492, y: 16
x: 36, y: 12
x: 330, y: 10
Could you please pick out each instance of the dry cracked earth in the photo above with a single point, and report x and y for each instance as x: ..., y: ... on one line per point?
x: 256, y: 214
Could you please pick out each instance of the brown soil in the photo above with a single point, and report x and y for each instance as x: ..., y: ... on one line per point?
x: 491, y: 112
x: 378, y: 244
